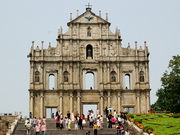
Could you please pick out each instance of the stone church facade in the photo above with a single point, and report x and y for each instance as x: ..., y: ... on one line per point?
x: 120, y: 75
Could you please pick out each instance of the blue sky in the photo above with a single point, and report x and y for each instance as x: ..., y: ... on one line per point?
x: 22, y: 21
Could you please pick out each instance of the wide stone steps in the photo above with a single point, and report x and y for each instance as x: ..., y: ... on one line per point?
x: 52, y: 130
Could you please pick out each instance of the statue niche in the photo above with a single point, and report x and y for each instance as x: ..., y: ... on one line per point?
x: 89, y: 52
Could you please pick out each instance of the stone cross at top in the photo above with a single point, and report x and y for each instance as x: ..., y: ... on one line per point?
x: 88, y: 6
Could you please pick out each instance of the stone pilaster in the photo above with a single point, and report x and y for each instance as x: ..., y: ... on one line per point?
x: 41, y: 104
x: 31, y: 103
x: 71, y: 101
x: 138, y: 101
x: 102, y: 103
x: 109, y: 99
x: 119, y: 101
x: 78, y: 101
x: 61, y: 101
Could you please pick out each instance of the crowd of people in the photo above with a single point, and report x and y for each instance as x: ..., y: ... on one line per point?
x: 38, y: 125
x: 95, y: 120
x: 114, y: 119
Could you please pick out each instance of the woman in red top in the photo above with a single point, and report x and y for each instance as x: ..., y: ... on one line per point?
x: 83, y: 119
x: 113, y: 120
x: 58, y: 122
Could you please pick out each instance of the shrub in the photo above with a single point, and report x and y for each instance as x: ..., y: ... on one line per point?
x: 126, y: 112
x: 130, y: 115
x: 6, y: 122
x: 138, y: 120
x: 176, y: 115
x: 147, y: 128
x: 168, y: 111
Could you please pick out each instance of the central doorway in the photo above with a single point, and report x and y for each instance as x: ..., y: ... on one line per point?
x: 87, y: 107
x: 50, y: 112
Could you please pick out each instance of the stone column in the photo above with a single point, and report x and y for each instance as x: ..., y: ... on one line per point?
x: 138, y: 106
x: 31, y: 76
x: 42, y: 76
x: 60, y: 76
x: 101, y: 76
x: 109, y: 99
x: 119, y: 101
x: 137, y: 76
x: 102, y: 103
x: 61, y: 101
x: 41, y: 104
x: 108, y: 75
x: 71, y: 101
x: 148, y: 101
x: 78, y: 102
x: 31, y: 103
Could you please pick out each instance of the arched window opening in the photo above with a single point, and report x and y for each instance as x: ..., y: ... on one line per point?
x: 113, y: 76
x: 51, y: 81
x: 89, y: 81
x: 66, y: 76
x: 37, y: 76
x: 141, y: 76
x: 89, y: 51
x: 89, y: 31
x: 127, y: 81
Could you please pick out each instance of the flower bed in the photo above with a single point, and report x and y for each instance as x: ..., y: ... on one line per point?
x: 158, y: 124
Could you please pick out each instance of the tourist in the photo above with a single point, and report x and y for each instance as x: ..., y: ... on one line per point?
x: 109, y: 121
x: 28, y: 128
x: 115, y: 114
x: 26, y: 122
x: 101, y: 118
x: 97, y: 112
x: 58, y: 113
x: 68, y: 115
x: 127, y: 132
x: 61, y: 123
x: 43, y: 128
x: 44, y: 120
x: 80, y: 123
x: 72, y: 116
x: 113, y: 121
x: 120, y: 129
x: 30, y: 115
x: 106, y: 111
x: 52, y: 115
x: 119, y: 119
x: 34, y: 121
x: 98, y: 122
x: 58, y: 122
x: 88, y: 133
x: 124, y: 117
x: 69, y: 124
x: 66, y: 122
x: 95, y: 127
x: 37, y: 129
x: 76, y: 124
x: 83, y: 120
x: 91, y: 121
x: 61, y: 115
x: 39, y: 121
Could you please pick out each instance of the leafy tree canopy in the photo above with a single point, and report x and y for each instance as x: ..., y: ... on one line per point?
x: 169, y: 94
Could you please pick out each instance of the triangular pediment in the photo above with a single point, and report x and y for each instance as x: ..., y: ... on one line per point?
x: 89, y: 17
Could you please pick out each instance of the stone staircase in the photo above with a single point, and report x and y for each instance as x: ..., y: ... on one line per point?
x: 51, y: 129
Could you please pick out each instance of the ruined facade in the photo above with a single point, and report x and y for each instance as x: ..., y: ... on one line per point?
x: 121, y: 75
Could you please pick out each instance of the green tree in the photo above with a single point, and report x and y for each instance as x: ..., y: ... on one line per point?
x: 169, y: 94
